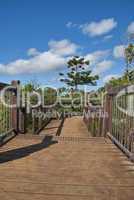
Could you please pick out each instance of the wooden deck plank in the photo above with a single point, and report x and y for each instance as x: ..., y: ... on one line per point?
x: 69, y: 167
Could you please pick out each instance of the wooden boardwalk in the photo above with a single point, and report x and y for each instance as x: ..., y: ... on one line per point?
x: 72, y: 166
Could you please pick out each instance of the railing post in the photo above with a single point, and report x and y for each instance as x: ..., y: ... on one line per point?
x: 18, y: 113
x: 108, y: 111
x: 14, y: 109
x: 22, y: 120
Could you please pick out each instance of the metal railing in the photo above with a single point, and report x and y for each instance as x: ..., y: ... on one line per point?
x: 118, y: 124
x: 121, y: 120
x: 16, y: 119
x: 7, y: 116
x: 93, y: 117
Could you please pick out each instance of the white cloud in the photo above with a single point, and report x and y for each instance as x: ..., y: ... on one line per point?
x: 33, y: 52
x: 109, y: 77
x: 98, y: 61
x: 63, y: 47
x: 71, y: 25
x: 54, y: 58
x: 43, y: 62
x: 102, y: 67
x: 107, y: 37
x: 119, y: 51
x: 130, y: 28
x: 99, y: 28
x: 97, y: 56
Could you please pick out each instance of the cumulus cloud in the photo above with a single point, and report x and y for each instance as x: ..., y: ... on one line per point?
x: 96, y: 56
x: 103, y: 66
x: 119, y: 51
x: 43, y: 62
x: 54, y: 58
x: 71, y: 25
x: 33, y: 52
x: 99, y: 61
x: 109, y: 77
x: 107, y: 37
x: 98, y: 28
x: 130, y: 28
x: 63, y: 47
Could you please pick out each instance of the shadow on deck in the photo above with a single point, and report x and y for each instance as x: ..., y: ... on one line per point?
x: 26, y: 151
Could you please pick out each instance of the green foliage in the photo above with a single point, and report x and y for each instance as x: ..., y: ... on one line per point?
x: 101, y: 89
x: 32, y: 85
x: 78, y: 73
x: 50, y: 96
x: 127, y: 78
x: 129, y: 54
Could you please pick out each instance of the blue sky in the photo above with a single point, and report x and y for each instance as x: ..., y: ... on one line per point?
x: 38, y: 36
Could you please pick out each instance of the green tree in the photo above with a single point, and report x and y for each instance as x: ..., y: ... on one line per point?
x: 31, y: 86
x: 128, y: 76
x: 78, y: 73
x: 129, y: 56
